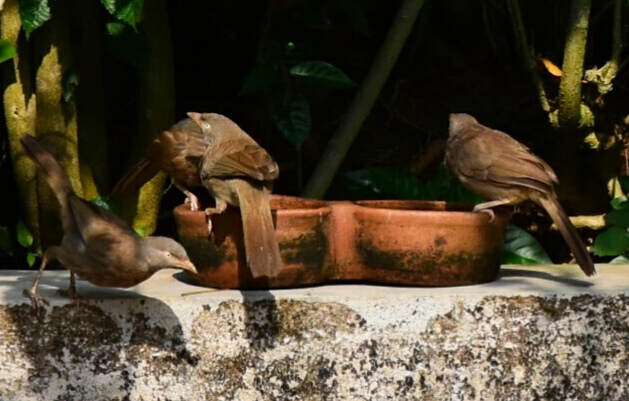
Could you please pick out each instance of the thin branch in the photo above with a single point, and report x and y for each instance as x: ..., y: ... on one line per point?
x: 529, y: 62
x: 363, y: 100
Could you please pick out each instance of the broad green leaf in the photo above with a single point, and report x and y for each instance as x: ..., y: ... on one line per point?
x: 125, y: 10
x: 129, y: 45
x: 24, y: 236
x: 31, y: 257
x: 102, y: 201
x: 5, y: 241
x: 141, y: 231
x: 522, y: 248
x: 294, y: 121
x: 611, y: 242
x: 620, y: 203
x: 623, y: 180
x: 620, y: 260
x: 260, y: 78
x: 618, y: 218
x: 7, y: 50
x: 33, y: 13
x: 69, y: 82
x: 322, y: 74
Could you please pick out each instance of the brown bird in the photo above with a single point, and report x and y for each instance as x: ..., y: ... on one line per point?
x: 177, y: 151
x: 97, y: 245
x: 237, y: 171
x: 502, y: 170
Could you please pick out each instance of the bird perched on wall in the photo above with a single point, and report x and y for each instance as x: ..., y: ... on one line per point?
x: 177, y: 151
x: 97, y: 245
x: 505, y: 172
x: 237, y: 171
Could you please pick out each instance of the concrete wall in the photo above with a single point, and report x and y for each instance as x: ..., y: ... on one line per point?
x: 539, y: 333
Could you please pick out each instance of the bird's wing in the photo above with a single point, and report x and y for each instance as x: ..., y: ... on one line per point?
x: 239, y: 157
x: 516, y: 165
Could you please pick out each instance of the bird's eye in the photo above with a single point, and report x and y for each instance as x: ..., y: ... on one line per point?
x: 207, y: 126
x: 168, y: 254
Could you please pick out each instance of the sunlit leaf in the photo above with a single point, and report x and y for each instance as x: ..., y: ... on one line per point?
x: 125, y: 10
x: 31, y: 258
x: 620, y: 203
x: 551, y: 68
x: 7, y: 50
x: 141, y: 231
x: 611, y: 242
x: 322, y: 74
x: 521, y: 248
x: 24, y: 236
x: 260, y: 78
x: 33, y: 13
x: 293, y: 121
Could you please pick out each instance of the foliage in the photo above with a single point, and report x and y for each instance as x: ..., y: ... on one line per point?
x: 614, y: 241
x: 24, y: 238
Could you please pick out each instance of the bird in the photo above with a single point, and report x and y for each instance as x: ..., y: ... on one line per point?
x: 97, y: 245
x: 237, y: 171
x: 505, y: 172
x: 178, y: 152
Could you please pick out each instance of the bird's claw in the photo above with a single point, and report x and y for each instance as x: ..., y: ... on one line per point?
x: 35, y: 298
x: 489, y: 212
x: 194, y: 204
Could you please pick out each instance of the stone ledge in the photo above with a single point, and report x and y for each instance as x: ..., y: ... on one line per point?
x: 543, y: 332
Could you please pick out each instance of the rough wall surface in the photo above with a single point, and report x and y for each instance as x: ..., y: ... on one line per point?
x: 541, y: 333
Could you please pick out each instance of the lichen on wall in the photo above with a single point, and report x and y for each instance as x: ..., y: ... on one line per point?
x: 494, y: 347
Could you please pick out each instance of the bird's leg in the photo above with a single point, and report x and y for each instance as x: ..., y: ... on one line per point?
x: 32, y: 292
x: 71, y: 291
x: 220, y: 207
x: 190, y: 198
x: 486, y: 207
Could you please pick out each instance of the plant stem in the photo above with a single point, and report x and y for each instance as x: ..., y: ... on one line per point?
x: 529, y: 62
x: 364, y: 99
x: 574, y: 54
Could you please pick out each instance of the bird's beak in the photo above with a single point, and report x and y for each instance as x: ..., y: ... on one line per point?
x: 195, y: 116
x: 186, y: 265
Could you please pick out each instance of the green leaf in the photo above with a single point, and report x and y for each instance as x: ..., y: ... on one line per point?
x: 125, y: 10
x: 620, y: 203
x: 69, y: 82
x: 611, y: 242
x: 522, y: 248
x: 7, y: 50
x: 322, y: 74
x: 623, y: 180
x: 31, y: 257
x: 129, y: 45
x: 618, y: 218
x: 5, y: 241
x: 24, y: 236
x: 102, y: 201
x: 294, y: 121
x: 33, y: 13
x: 260, y: 78
x: 620, y: 260
x: 141, y: 231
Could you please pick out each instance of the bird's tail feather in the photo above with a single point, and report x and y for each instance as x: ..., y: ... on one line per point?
x: 569, y: 232
x: 263, y: 253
